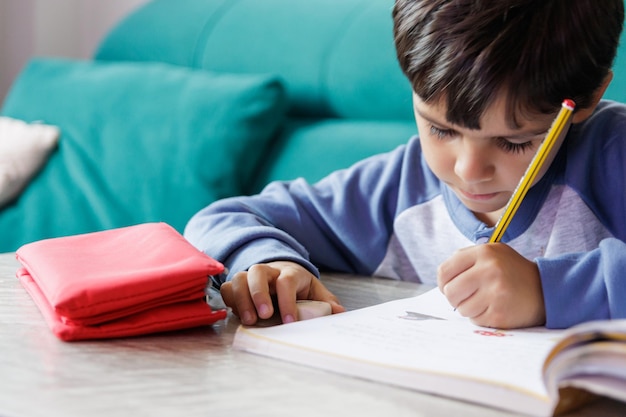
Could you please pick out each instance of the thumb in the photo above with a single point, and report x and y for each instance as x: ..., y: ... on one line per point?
x: 320, y: 293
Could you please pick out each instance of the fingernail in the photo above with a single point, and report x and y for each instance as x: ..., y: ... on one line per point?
x: 288, y: 319
x: 264, y: 310
x: 247, y: 317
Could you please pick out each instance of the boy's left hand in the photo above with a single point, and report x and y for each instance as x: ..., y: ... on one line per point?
x: 494, y: 286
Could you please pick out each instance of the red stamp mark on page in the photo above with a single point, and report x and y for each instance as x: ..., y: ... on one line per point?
x: 495, y: 333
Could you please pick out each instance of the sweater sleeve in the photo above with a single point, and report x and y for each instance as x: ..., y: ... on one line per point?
x: 341, y: 223
x: 591, y: 285
x: 585, y: 286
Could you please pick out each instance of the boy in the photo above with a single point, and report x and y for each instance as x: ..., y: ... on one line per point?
x: 488, y: 79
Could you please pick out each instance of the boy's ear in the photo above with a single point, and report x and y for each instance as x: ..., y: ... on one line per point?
x: 583, y: 113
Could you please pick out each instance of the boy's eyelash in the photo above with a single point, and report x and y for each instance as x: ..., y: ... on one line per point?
x: 441, y: 133
x: 514, y: 147
x: 504, y: 144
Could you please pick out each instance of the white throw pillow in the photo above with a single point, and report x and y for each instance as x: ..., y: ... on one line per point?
x: 24, y: 149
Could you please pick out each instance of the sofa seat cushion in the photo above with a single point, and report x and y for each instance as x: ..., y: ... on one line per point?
x: 139, y: 142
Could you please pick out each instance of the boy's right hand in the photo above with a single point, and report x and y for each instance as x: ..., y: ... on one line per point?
x: 249, y: 293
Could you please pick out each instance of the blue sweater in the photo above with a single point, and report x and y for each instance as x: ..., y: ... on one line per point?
x: 390, y: 216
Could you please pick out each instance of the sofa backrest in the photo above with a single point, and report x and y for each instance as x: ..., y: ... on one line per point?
x: 348, y: 98
x: 336, y: 57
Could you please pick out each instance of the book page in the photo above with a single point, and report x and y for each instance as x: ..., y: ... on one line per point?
x: 419, y: 343
x: 598, y: 367
x: 589, y: 332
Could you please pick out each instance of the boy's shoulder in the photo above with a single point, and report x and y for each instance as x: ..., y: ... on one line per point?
x: 600, y: 139
x: 607, y: 122
x: 608, y: 110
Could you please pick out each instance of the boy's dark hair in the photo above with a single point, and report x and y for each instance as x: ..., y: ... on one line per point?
x: 538, y: 52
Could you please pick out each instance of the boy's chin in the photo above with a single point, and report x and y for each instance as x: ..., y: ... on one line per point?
x: 489, y: 218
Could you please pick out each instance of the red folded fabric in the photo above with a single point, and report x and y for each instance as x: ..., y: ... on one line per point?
x: 120, y: 282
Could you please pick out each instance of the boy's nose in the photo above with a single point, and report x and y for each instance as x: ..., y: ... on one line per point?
x: 474, y: 166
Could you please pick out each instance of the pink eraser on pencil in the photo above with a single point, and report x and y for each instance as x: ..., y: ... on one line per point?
x: 569, y: 103
x: 310, y: 309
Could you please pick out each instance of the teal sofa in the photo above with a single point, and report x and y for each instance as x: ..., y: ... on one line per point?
x: 190, y: 101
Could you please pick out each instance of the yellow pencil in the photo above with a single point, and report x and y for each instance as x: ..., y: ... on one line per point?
x: 554, y: 136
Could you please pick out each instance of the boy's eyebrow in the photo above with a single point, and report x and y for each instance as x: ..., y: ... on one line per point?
x: 517, y: 136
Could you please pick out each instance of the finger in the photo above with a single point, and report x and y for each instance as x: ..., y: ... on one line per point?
x: 488, y: 316
x: 319, y: 292
x: 242, y: 300
x: 259, y: 278
x: 226, y: 291
x: 460, y: 261
x: 472, y: 306
x: 287, y: 285
x: 461, y: 289
x: 336, y: 307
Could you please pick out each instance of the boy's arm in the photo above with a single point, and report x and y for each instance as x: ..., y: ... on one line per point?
x: 232, y: 233
x: 342, y: 223
x: 590, y: 285
x: 585, y: 286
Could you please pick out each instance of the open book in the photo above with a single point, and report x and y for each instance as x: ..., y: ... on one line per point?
x: 421, y: 343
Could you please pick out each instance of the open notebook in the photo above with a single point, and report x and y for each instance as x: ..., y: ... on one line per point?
x: 422, y: 344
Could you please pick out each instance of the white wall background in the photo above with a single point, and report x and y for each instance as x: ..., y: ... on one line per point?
x: 62, y: 28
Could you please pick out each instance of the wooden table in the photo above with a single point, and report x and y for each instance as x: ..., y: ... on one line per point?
x: 195, y: 372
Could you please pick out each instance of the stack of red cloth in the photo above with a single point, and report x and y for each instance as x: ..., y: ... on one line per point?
x: 121, y: 282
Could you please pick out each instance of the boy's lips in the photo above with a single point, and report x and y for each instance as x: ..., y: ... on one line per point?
x: 477, y: 196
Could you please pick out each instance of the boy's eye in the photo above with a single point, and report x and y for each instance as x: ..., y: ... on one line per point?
x: 513, y: 147
x: 504, y: 144
x: 441, y: 133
